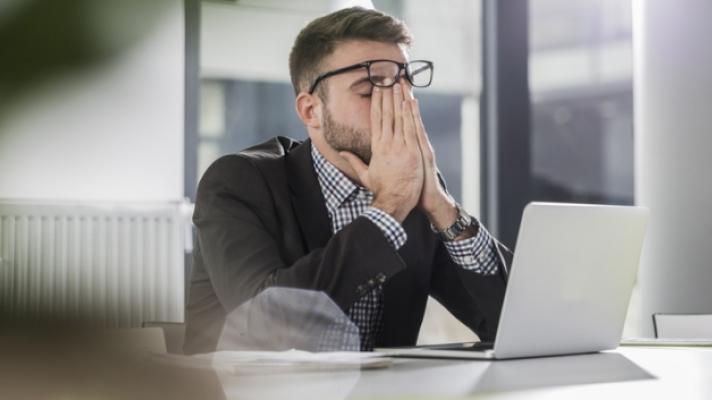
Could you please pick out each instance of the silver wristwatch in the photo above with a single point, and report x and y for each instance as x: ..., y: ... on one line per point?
x: 463, y: 221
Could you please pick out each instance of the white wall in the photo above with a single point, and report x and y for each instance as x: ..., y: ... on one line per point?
x: 249, y: 42
x: 112, y: 133
x: 673, y: 111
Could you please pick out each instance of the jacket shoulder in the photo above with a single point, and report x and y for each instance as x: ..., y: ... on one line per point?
x: 248, y: 177
x: 276, y: 147
x: 237, y: 165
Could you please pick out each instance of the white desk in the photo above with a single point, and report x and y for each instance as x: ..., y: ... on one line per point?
x: 649, y: 373
x: 79, y: 369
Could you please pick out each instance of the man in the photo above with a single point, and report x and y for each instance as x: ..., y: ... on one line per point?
x: 357, y: 211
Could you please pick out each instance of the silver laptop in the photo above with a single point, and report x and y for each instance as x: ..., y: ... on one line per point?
x: 569, y: 284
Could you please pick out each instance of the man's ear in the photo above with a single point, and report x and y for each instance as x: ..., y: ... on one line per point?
x: 309, y: 108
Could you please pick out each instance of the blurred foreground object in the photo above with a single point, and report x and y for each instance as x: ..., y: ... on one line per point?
x: 64, y: 362
x: 41, y: 41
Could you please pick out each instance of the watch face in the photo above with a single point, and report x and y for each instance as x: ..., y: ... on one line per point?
x: 448, y: 235
x: 463, y: 221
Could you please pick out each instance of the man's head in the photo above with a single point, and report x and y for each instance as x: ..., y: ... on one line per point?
x: 336, y: 112
x: 319, y: 39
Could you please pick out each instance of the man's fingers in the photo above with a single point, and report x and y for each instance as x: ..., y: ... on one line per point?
x: 423, y: 140
x: 376, y: 99
x: 387, y: 114
x: 409, y: 128
x: 398, y: 133
x: 358, y: 165
x: 408, y: 92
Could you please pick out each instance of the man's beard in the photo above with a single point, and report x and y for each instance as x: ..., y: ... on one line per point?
x: 346, y: 138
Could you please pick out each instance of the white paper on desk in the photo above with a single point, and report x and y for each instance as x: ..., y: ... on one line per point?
x: 666, y: 342
x: 278, y: 361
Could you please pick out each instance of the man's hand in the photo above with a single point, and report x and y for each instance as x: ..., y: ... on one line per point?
x: 434, y: 201
x: 395, y: 173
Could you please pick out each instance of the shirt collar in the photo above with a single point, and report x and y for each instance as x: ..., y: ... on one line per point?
x: 335, y: 186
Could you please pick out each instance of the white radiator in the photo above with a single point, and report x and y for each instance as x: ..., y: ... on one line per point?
x: 110, y: 265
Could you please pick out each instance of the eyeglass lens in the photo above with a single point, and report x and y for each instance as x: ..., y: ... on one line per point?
x: 385, y: 73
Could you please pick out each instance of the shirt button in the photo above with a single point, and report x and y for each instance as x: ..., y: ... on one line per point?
x: 469, y: 260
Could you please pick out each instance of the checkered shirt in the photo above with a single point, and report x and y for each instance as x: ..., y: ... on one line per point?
x: 346, y: 201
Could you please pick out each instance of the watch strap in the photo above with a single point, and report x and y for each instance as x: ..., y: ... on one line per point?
x: 461, y: 224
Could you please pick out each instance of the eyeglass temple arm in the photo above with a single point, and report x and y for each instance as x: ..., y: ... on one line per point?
x: 419, y: 70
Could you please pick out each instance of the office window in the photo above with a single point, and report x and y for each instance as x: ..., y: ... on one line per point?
x: 580, y: 74
x: 236, y: 114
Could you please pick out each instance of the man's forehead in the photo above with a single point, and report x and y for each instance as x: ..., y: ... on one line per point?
x: 356, y: 51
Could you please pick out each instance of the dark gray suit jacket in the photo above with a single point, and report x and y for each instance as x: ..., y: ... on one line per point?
x: 262, y: 222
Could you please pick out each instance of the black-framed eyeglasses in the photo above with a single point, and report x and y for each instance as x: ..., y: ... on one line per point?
x: 385, y: 73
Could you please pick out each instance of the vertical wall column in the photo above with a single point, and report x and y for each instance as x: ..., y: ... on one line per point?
x: 504, y: 116
x: 673, y: 124
x: 192, y: 97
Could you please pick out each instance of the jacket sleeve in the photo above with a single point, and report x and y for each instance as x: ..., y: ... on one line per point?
x: 475, y: 299
x: 239, y: 239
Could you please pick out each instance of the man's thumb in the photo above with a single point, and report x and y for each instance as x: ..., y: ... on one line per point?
x: 356, y: 163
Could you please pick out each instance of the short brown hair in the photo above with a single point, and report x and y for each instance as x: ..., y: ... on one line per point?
x: 319, y: 38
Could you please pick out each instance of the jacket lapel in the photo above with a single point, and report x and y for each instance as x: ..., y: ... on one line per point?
x: 307, y: 199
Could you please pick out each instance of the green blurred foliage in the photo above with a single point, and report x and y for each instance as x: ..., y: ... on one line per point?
x: 42, y: 40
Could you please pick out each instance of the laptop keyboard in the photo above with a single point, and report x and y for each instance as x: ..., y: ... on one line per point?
x: 476, y: 346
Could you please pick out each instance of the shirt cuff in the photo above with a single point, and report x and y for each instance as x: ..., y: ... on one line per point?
x: 391, y: 228
x: 477, y: 254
